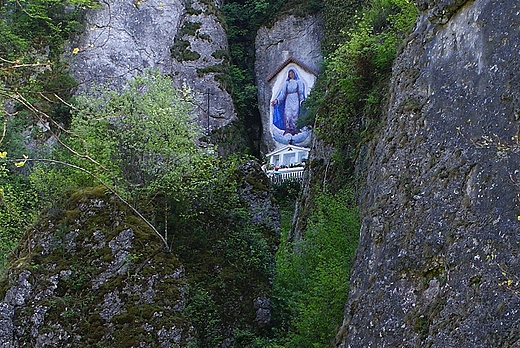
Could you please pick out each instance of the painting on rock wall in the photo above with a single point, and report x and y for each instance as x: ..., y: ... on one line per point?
x: 292, y: 84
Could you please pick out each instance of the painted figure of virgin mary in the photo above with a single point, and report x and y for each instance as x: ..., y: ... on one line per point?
x: 287, y: 104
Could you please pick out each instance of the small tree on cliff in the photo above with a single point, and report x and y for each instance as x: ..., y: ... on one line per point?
x: 141, y: 141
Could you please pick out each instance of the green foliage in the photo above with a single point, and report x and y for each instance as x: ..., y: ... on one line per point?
x: 227, y: 256
x: 19, y: 201
x: 349, y: 96
x: 286, y: 193
x: 299, y: 8
x: 190, y: 28
x: 311, y: 284
x: 243, y: 18
x: 202, y: 311
x: 339, y: 17
x: 41, y: 23
x: 140, y: 141
x: 73, y: 305
x: 33, y: 34
x: 18, y: 208
x: 373, y: 42
x: 221, y: 72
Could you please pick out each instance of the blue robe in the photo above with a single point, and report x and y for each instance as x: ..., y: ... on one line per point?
x: 287, y: 110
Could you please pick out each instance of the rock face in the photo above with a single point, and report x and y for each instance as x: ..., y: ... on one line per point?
x: 93, y: 275
x: 289, y: 37
x: 437, y: 264
x: 182, y: 39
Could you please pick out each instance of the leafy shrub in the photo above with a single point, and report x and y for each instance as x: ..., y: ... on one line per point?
x: 141, y: 142
x: 19, y: 201
x: 227, y: 256
x: 348, y: 99
x: 312, y: 280
x: 286, y: 192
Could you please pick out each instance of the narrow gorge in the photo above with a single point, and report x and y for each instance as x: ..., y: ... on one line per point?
x: 260, y: 173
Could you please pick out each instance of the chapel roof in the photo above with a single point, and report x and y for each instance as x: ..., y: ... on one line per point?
x: 288, y: 148
x: 289, y: 60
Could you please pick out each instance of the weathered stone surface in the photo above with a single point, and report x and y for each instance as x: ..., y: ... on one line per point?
x: 208, y: 72
x: 263, y: 310
x: 6, y: 325
x: 437, y: 264
x: 290, y: 36
x: 124, y: 38
x: 66, y: 289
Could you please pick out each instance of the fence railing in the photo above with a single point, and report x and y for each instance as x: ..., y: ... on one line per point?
x: 278, y: 176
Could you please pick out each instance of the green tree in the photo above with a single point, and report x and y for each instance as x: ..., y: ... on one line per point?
x: 348, y: 99
x: 140, y: 142
x: 312, y: 280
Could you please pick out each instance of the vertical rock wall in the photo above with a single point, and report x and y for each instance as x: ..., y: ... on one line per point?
x: 438, y: 260
x: 289, y: 37
x: 184, y: 39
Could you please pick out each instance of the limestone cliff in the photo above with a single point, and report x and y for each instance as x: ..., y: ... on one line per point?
x: 184, y: 39
x: 93, y: 275
x: 290, y: 36
x: 437, y: 264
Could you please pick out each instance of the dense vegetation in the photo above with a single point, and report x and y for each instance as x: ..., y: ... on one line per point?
x: 311, y: 283
x: 33, y: 79
x: 351, y: 93
x: 176, y: 183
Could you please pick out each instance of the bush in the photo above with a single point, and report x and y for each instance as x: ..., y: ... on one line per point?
x: 311, y: 284
x: 286, y: 193
x: 349, y: 97
x: 229, y: 258
x: 19, y: 201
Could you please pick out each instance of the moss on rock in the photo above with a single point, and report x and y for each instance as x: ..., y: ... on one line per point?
x: 97, y: 276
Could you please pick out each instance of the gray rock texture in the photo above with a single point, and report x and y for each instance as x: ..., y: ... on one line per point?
x: 183, y: 39
x: 255, y: 193
x: 290, y: 36
x: 93, y: 276
x: 437, y: 264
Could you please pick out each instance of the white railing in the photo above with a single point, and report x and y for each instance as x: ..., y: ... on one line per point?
x: 280, y: 175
